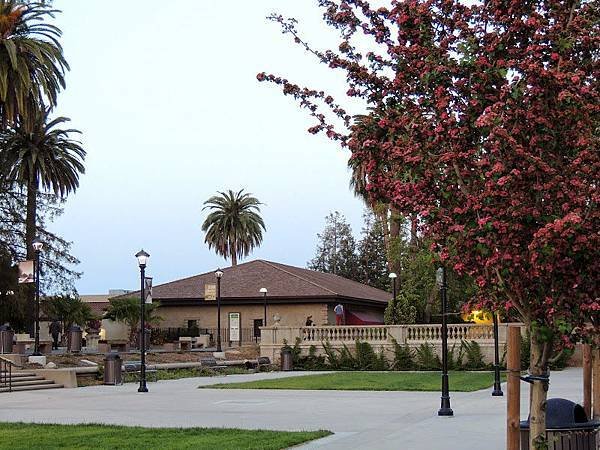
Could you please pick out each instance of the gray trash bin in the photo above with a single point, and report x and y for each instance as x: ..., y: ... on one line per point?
x: 113, y: 371
x: 6, y: 339
x: 567, y: 427
x: 75, y: 336
x: 287, y: 363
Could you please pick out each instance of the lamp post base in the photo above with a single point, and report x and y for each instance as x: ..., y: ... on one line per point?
x: 142, y: 389
x: 497, y: 392
x: 445, y: 409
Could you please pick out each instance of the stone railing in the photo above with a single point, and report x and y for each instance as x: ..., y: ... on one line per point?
x: 376, y: 333
x: 467, y: 332
x: 381, y: 337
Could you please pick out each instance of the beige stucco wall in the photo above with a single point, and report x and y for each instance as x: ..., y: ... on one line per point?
x: 291, y: 315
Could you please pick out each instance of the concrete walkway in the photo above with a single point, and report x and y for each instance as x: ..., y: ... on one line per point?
x: 359, y: 419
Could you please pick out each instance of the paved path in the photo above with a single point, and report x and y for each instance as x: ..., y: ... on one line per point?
x: 360, y: 420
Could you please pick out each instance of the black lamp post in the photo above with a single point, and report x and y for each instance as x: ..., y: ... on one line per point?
x: 497, y: 392
x: 219, y: 274
x: 37, y: 245
x: 445, y: 409
x: 142, y: 258
x: 264, y: 291
x: 393, y: 277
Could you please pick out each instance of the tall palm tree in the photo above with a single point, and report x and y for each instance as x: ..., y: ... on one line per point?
x: 234, y: 226
x: 41, y: 156
x: 32, y: 65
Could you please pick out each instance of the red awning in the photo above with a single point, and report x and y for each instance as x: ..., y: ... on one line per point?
x: 364, y: 318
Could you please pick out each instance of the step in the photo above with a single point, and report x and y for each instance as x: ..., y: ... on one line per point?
x: 19, y: 379
x: 36, y: 387
x: 17, y: 374
x: 32, y: 382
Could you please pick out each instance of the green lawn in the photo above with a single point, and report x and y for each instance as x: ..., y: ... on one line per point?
x: 20, y: 436
x: 372, y: 381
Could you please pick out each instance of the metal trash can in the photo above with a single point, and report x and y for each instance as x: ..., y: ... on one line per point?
x: 287, y: 362
x: 6, y: 339
x: 113, y: 370
x: 567, y: 427
x: 75, y: 335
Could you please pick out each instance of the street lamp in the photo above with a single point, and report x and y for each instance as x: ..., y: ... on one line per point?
x: 393, y: 277
x: 219, y: 274
x: 497, y: 392
x: 38, y: 246
x: 445, y: 409
x: 142, y: 258
x: 264, y: 291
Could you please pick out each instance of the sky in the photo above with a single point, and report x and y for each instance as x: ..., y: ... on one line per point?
x: 166, y: 96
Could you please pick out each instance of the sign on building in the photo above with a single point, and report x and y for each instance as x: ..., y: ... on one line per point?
x: 234, y: 327
x: 210, y: 292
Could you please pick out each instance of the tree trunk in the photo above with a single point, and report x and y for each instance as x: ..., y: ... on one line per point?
x: 395, y: 232
x: 413, y: 231
x: 385, y: 225
x: 539, y: 393
x: 233, y: 250
x: 30, y: 232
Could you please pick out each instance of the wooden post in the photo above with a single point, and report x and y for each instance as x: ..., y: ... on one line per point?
x: 596, y: 383
x: 513, y: 390
x: 587, y: 379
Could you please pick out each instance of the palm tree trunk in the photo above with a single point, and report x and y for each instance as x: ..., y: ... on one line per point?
x: 30, y: 232
x: 233, y: 249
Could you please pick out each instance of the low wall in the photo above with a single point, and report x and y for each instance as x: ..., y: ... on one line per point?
x: 381, y: 337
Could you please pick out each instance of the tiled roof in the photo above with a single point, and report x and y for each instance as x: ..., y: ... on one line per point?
x: 245, y: 281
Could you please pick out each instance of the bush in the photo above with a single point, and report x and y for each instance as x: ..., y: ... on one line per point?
x: 426, y: 358
x: 403, y: 357
x: 472, y: 351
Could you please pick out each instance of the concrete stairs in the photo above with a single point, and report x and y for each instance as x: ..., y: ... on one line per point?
x: 26, y: 381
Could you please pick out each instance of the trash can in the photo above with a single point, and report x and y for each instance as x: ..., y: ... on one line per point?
x: 567, y: 427
x: 112, y: 369
x: 286, y: 359
x: 6, y: 339
x: 75, y: 335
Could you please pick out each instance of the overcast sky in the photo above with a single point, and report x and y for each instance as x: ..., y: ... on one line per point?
x: 166, y: 96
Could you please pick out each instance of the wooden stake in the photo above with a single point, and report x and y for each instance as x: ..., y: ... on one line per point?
x: 513, y: 390
x: 587, y: 379
x: 596, y: 383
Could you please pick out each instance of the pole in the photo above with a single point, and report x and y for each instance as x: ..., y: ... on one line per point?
x: 497, y: 392
x: 513, y: 389
x: 143, y: 387
x: 596, y: 383
x: 36, y: 347
x: 445, y: 409
x: 219, y: 314
x: 587, y: 379
x: 265, y: 314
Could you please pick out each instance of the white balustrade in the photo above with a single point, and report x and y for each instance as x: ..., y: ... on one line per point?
x: 375, y: 333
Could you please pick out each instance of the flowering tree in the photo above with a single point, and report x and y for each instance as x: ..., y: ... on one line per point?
x: 483, y: 121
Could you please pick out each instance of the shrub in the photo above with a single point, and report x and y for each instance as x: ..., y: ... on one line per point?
x: 403, y: 357
x: 426, y: 358
x: 472, y: 351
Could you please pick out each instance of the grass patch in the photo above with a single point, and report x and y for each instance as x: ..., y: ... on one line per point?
x: 21, y: 436
x: 372, y: 381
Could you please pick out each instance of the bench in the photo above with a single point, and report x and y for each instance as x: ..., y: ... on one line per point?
x: 210, y: 363
x: 135, y: 367
x: 21, y: 346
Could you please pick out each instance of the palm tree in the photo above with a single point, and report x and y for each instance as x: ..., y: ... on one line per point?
x: 32, y: 65
x: 234, y: 226
x: 41, y: 157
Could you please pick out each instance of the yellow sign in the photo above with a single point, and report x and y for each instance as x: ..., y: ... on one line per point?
x: 210, y: 292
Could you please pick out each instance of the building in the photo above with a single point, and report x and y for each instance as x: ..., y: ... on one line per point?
x: 293, y: 295
x: 99, y: 302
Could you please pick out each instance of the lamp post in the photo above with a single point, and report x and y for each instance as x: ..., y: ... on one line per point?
x: 219, y: 274
x: 37, y: 245
x: 445, y: 409
x: 142, y: 258
x: 393, y: 277
x: 264, y: 291
x: 497, y: 392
